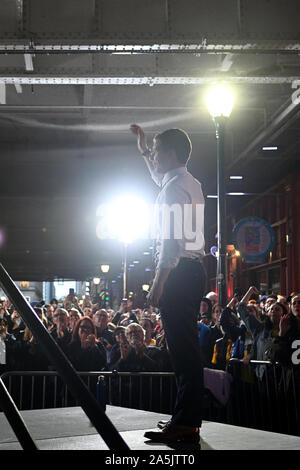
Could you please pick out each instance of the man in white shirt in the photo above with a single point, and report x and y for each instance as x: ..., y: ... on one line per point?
x: 179, y: 281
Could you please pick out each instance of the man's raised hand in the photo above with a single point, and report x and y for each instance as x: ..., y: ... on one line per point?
x: 140, y: 136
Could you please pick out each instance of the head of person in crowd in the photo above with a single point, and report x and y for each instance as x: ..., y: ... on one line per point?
x: 3, y: 328
x: 205, y: 310
x: 16, y: 318
x: 54, y: 303
x: 139, y: 313
x: 119, y: 332
x: 110, y: 313
x: 61, y: 318
x: 74, y: 316
x: 274, y: 314
x: 295, y: 305
x: 86, y: 302
x: 40, y: 313
x: 283, y: 300
x: 271, y: 299
x: 147, y: 324
x: 146, y: 313
x: 49, y: 311
x: 125, y: 321
x: 262, y: 302
x: 135, y: 335
x: 171, y: 149
x: 213, y: 297
x: 100, y: 319
x: 3, y: 311
x: 111, y: 326
x: 252, y: 309
x: 87, y: 311
x: 126, y: 305
x: 216, y: 313
x: 84, y: 332
x: 68, y: 302
x: 205, y: 318
x: 28, y: 336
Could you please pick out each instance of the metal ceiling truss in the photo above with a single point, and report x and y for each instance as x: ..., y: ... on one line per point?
x: 91, y: 46
x: 149, y: 26
x: 142, y: 80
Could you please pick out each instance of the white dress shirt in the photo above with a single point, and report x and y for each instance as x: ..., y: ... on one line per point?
x: 179, y: 218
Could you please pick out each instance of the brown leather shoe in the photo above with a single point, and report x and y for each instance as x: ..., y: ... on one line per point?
x: 174, y: 433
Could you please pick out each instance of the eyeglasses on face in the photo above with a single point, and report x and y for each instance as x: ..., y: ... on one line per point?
x: 86, y: 328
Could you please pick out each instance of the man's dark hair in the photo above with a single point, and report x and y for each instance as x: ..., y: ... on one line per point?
x: 209, y: 304
x: 272, y: 296
x: 118, y: 330
x: 178, y: 140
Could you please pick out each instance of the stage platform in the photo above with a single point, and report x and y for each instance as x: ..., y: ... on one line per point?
x: 70, y: 429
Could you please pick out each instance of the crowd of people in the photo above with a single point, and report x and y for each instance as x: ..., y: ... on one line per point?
x: 132, y: 339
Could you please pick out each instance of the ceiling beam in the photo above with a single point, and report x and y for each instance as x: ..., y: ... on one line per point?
x: 138, y: 47
x: 285, y: 116
x: 144, y: 80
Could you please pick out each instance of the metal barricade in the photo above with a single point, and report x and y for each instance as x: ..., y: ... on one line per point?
x: 44, y: 389
x: 265, y: 396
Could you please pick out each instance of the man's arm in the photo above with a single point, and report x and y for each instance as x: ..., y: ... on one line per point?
x: 156, y: 290
x: 145, y: 151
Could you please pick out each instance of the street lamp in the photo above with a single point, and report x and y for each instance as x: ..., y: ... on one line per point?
x: 219, y: 101
x: 105, y: 268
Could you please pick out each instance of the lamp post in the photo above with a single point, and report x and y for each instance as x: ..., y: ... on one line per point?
x: 125, y: 271
x: 219, y: 101
x: 105, y: 269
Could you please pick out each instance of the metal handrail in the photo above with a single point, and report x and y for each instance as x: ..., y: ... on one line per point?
x: 15, y: 419
x: 63, y: 366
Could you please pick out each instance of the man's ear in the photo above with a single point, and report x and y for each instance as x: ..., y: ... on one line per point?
x: 173, y: 155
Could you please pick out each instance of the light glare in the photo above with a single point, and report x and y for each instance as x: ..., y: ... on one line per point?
x: 105, y: 268
x: 219, y: 101
x: 126, y: 219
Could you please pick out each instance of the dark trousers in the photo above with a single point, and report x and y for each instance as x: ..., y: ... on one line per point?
x: 179, y: 306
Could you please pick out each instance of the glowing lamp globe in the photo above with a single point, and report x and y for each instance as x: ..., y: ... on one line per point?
x: 219, y: 101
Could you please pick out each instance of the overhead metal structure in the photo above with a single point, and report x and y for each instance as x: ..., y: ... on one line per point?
x: 65, y: 109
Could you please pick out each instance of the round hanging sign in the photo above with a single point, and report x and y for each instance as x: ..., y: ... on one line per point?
x: 254, y: 238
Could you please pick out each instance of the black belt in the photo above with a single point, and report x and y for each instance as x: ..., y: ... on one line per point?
x: 191, y: 260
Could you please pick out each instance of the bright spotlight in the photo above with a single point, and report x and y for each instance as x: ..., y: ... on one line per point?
x: 219, y: 101
x: 126, y: 218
